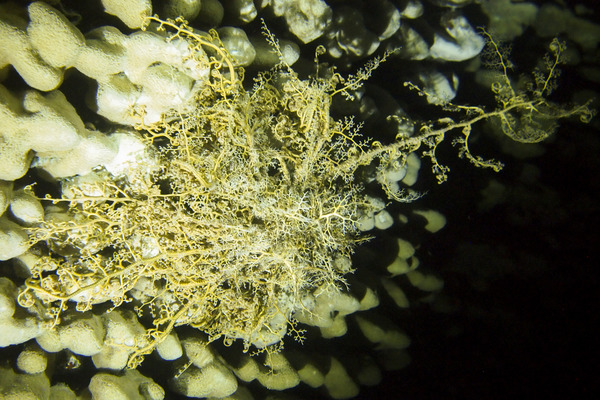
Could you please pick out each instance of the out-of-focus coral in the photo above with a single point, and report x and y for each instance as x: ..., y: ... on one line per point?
x: 16, y: 328
x: 552, y: 21
x: 243, y: 11
x: 188, y: 9
x: 508, y: 20
x: 348, y: 35
x: 238, y: 45
x: 131, y: 12
x: 306, y: 19
x: 132, y: 385
x: 465, y: 43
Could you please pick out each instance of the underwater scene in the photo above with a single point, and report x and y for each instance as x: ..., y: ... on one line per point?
x: 298, y: 199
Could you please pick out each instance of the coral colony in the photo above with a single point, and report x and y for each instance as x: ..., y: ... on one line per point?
x: 218, y: 208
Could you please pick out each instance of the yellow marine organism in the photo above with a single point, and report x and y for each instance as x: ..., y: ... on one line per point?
x: 252, y: 210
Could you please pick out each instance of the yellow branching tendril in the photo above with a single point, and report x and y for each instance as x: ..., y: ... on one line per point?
x: 255, y: 200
